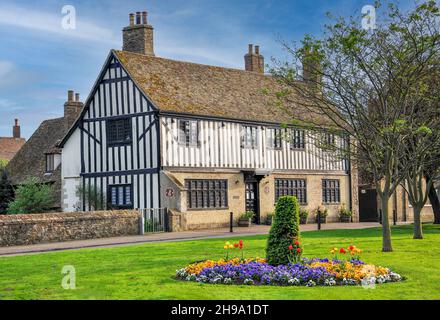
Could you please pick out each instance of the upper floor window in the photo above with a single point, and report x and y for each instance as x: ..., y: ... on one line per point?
x: 249, y: 137
x: 119, y: 132
x: 329, y: 139
x: 120, y: 196
x: 52, y: 162
x: 188, y: 133
x: 331, y: 191
x: 298, y: 140
x: 275, y: 138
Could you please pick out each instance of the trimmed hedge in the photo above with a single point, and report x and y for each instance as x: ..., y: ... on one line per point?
x: 285, y: 229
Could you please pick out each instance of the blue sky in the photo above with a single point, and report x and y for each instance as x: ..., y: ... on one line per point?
x: 39, y: 61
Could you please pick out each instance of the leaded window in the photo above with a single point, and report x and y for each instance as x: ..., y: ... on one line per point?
x: 291, y: 187
x: 119, y: 132
x: 120, y: 196
x: 207, y: 194
x: 298, y: 140
x: 249, y: 137
x: 275, y: 138
x: 188, y: 133
x: 331, y: 191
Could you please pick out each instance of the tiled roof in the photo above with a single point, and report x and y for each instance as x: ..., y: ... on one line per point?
x: 10, y: 146
x: 30, y: 161
x: 184, y: 87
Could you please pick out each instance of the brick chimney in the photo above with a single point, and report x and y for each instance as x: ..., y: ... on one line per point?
x: 138, y: 36
x: 253, y: 60
x: 16, y: 131
x: 311, y: 69
x: 72, y: 108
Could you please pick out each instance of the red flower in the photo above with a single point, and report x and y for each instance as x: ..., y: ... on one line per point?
x: 342, y: 251
x: 236, y: 245
x: 290, y: 247
x: 296, y: 243
x: 298, y: 250
x: 240, y: 244
x: 351, y: 248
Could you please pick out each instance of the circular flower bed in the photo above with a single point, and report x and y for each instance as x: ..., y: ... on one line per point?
x: 299, y: 272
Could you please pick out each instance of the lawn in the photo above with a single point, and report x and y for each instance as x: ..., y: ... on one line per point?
x: 146, y: 271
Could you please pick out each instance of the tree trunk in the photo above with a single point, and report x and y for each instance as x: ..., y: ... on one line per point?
x: 386, y: 230
x: 418, y: 233
x: 435, y: 202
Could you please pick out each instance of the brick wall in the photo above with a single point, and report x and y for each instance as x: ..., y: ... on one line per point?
x: 57, y: 227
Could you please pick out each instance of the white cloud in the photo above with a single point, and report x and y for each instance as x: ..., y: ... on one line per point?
x: 34, y: 20
x: 6, y: 68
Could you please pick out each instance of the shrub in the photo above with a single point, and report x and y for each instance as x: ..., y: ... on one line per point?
x: 32, y: 197
x: 247, y: 215
x: 285, y: 229
x: 344, y: 212
x: 91, y: 196
x: 6, y: 192
x: 322, y: 212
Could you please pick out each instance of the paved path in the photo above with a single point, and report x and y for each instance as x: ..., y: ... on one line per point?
x: 164, y: 237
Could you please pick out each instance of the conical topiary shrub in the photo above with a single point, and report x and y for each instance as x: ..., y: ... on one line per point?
x: 285, y: 229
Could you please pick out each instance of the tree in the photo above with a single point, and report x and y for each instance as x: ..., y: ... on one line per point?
x: 6, y: 192
x: 284, y: 230
x: 3, y: 164
x: 364, y: 83
x: 32, y: 197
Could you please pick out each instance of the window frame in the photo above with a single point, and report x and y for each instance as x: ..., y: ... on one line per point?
x: 298, y: 139
x: 118, y: 206
x: 207, y: 194
x: 119, y: 142
x: 275, y: 138
x: 331, y: 195
x: 253, y: 143
x: 189, y: 135
x: 52, y: 157
x: 294, y: 187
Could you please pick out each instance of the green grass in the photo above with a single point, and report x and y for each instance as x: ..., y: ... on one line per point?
x: 146, y: 271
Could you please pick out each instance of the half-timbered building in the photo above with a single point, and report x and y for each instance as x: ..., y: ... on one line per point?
x: 202, y: 141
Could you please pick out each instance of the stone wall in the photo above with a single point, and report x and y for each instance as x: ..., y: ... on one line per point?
x: 57, y: 227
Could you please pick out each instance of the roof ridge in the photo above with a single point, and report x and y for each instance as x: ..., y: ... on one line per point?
x: 194, y: 63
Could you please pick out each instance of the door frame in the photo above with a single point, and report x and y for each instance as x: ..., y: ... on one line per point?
x: 251, y: 178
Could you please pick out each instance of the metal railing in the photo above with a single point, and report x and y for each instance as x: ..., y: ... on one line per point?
x: 154, y: 220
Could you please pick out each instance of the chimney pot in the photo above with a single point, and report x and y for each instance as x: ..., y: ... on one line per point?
x: 131, y: 19
x: 70, y: 95
x: 144, y: 17
x: 251, y: 48
x: 138, y: 17
x: 257, y: 50
x: 16, y: 122
x: 77, y: 97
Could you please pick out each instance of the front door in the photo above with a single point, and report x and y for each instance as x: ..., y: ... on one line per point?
x: 252, y: 200
x: 368, y: 205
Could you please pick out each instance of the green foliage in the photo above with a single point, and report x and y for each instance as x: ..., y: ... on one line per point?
x: 92, y: 196
x: 6, y: 192
x: 304, y: 213
x: 321, y: 212
x: 344, y: 212
x: 32, y: 197
x: 285, y: 229
x: 247, y: 215
x: 3, y: 163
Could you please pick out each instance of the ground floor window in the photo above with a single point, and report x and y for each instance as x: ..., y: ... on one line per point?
x: 120, y: 196
x: 331, y: 191
x: 291, y: 187
x: 207, y: 194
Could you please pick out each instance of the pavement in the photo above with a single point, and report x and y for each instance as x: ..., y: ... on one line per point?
x: 166, y: 237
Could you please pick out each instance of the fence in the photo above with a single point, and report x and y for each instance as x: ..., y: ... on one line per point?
x: 154, y: 220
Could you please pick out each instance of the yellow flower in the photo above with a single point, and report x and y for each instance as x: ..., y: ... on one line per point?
x: 225, y: 247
